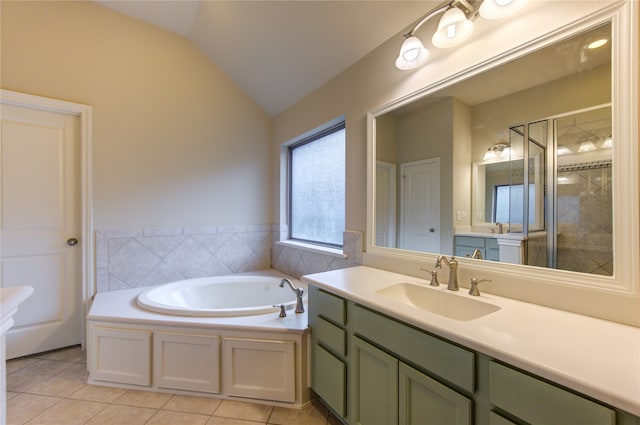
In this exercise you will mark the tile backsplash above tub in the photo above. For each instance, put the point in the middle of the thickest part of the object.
(137, 257)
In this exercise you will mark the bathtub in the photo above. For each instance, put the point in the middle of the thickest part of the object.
(222, 296)
(185, 342)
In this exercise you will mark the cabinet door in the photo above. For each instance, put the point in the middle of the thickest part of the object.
(329, 378)
(120, 355)
(424, 401)
(188, 362)
(262, 369)
(374, 385)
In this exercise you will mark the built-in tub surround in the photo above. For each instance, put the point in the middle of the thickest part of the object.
(259, 357)
(146, 256)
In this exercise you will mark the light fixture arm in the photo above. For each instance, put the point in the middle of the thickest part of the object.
(441, 9)
(428, 16)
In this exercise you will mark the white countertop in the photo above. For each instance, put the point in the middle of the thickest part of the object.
(598, 358)
(10, 298)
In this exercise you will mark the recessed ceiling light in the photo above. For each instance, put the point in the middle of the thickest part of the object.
(598, 43)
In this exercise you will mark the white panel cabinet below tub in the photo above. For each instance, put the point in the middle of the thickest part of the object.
(186, 361)
(258, 368)
(120, 355)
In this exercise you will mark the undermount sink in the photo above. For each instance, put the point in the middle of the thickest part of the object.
(438, 301)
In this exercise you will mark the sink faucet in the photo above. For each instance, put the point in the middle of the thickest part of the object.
(453, 271)
(477, 254)
(298, 292)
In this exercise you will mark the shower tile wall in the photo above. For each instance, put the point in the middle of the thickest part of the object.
(137, 257)
(585, 241)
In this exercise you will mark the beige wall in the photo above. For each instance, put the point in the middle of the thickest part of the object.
(374, 81)
(175, 141)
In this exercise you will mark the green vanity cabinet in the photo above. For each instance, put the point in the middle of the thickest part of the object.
(534, 401)
(424, 400)
(372, 369)
(488, 247)
(329, 361)
(374, 389)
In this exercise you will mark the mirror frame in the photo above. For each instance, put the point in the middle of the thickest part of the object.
(624, 282)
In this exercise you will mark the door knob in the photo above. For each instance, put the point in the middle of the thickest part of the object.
(432, 230)
(72, 242)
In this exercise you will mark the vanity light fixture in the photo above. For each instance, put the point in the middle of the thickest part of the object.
(563, 150)
(455, 26)
(453, 29)
(587, 146)
(499, 150)
(498, 9)
(607, 143)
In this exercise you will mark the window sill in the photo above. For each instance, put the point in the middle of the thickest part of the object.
(334, 252)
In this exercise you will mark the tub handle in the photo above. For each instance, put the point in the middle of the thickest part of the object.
(283, 313)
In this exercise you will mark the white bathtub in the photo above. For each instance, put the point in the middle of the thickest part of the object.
(235, 295)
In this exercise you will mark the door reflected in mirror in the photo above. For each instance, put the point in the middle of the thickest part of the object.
(513, 164)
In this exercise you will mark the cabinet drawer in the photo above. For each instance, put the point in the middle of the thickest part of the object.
(470, 241)
(329, 379)
(538, 402)
(330, 336)
(331, 307)
(450, 362)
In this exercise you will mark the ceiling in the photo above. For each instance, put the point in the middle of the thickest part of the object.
(280, 51)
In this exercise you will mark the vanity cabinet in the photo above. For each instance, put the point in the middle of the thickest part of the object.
(535, 401)
(329, 367)
(488, 247)
(370, 368)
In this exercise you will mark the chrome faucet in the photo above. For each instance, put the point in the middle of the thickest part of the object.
(453, 271)
(298, 292)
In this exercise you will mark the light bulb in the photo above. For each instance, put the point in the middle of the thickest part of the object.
(498, 9)
(412, 54)
(587, 146)
(453, 29)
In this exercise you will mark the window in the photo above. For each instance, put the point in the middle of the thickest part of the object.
(317, 187)
(508, 203)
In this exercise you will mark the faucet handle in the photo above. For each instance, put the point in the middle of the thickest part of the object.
(283, 312)
(473, 290)
(434, 276)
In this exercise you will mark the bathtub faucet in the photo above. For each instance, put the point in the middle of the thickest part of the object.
(298, 292)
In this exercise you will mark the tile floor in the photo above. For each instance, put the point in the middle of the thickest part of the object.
(51, 388)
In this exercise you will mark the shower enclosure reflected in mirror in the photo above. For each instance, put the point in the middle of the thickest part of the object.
(560, 200)
(546, 119)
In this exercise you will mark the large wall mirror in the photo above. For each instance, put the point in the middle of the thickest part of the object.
(517, 164)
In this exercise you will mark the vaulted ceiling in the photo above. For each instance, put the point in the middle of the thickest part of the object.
(279, 51)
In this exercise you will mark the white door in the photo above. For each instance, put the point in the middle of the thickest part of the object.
(385, 204)
(420, 205)
(40, 222)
